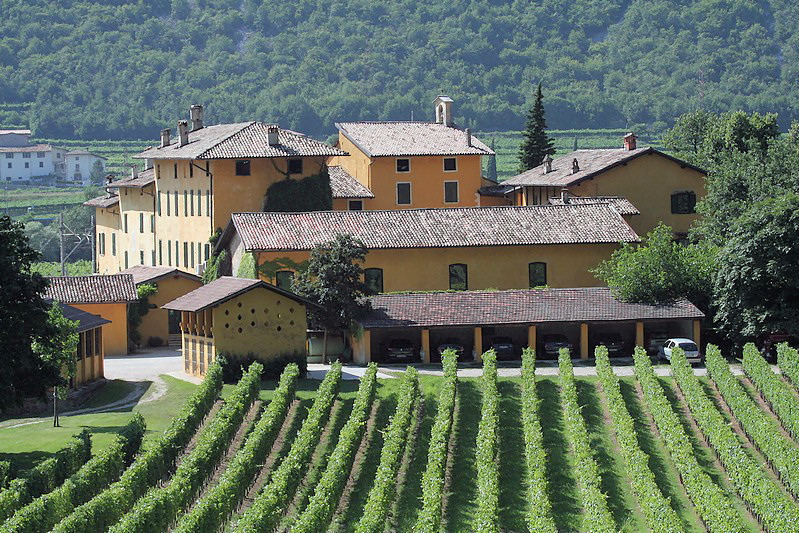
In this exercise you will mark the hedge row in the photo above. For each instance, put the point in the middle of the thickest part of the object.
(322, 505)
(487, 514)
(788, 361)
(776, 511)
(396, 435)
(762, 430)
(105, 509)
(47, 475)
(596, 515)
(539, 510)
(6, 473)
(775, 391)
(46, 511)
(213, 510)
(429, 520)
(659, 514)
(160, 507)
(265, 512)
(710, 501)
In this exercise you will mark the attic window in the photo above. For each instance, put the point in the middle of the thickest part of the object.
(295, 166)
(243, 167)
(403, 165)
(450, 164)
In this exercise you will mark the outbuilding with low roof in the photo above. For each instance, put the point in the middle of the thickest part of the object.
(89, 356)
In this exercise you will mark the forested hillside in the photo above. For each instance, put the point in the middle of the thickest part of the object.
(122, 69)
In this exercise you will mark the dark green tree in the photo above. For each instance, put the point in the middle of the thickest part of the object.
(491, 168)
(536, 144)
(661, 270)
(23, 317)
(136, 312)
(334, 280)
(757, 279)
(57, 349)
(97, 176)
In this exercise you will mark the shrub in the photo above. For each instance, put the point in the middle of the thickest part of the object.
(266, 510)
(775, 391)
(6, 473)
(539, 510)
(322, 504)
(155, 342)
(47, 475)
(160, 507)
(396, 437)
(233, 365)
(487, 515)
(429, 519)
(788, 361)
(46, 511)
(212, 511)
(150, 467)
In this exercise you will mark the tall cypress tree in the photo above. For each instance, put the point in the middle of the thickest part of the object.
(491, 171)
(536, 144)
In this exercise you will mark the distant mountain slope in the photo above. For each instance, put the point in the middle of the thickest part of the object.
(123, 68)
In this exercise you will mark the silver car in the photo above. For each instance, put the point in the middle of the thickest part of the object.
(686, 345)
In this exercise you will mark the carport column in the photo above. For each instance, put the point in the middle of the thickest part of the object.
(362, 348)
(426, 345)
(639, 334)
(531, 336)
(583, 341)
(478, 344)
(697, 333)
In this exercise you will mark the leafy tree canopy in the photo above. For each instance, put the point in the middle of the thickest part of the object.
(334, 280)
(23, 315)
(757, 280)
(661, 270)
(57, 347)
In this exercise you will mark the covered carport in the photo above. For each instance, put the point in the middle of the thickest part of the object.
(477, 318)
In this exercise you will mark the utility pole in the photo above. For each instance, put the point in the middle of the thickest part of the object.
(61, 244)
(82, 238)
(94, 245)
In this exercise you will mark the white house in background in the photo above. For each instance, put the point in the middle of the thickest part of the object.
(20, 161)
(79, 165)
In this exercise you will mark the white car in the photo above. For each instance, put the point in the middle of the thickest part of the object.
(687, 345)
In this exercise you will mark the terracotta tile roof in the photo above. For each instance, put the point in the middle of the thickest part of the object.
(622, 205)
(145, 178)
(86, 321)
(344, 185)
(528, 306)
(221, 290)
(91, 289)
(378, 139)
(32, 148)
(102, 201)
(145, 274)
(434, 228)
(238, 141)
(591, 163)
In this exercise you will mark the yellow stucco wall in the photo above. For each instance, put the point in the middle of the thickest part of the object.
(426, 176)
(194, 223)
(138, 206)
(89, 362)
(156, 322)
(115, 334)
(270, 325)
(107, 221)
(499, 267)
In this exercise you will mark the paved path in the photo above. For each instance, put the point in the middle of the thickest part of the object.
(147, 365)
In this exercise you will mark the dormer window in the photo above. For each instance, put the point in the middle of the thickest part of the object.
(450, 164)
(403, 165)
(295, 166)
(243, 167)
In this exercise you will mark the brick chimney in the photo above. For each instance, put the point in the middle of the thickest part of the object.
(196, 115)
(183, 132)
(165, 133)
(134, 172)
(575, 166)
(468, 136)
(547, 164)
(630, 141)
(271, 134)
(565, 196)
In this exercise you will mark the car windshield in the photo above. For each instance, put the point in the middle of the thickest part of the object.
(400, 343)
(555, 338)
(689, 347)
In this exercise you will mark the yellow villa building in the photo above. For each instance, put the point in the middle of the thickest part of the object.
(661, 188)
(440, 249)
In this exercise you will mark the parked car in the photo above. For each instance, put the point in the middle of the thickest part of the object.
(553, 342)
(504, 347)
(401, 350)
(612, 341)
(451, 343)
(687, 345)
(656, 341)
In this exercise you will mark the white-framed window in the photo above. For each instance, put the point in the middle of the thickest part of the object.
(450, 164)
(404, 193)
(403, 165)
(355, 205)
(451, 192)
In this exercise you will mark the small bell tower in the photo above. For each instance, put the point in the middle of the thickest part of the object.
(443, 105)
